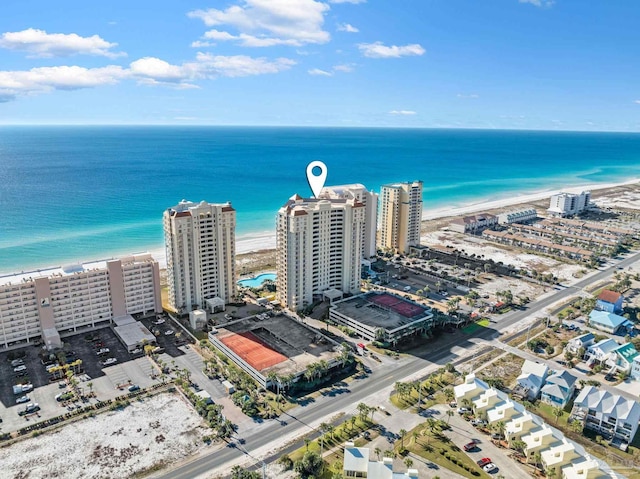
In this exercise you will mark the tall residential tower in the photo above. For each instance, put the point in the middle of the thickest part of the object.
(370, 201)
(319, 249)
(400, 216)
(200, 244)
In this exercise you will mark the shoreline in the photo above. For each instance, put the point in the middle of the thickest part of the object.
(262, 244)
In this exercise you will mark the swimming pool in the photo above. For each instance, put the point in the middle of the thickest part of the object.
(257, 281)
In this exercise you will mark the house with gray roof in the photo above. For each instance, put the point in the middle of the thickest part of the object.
(531, 379)
(357, 463)
(610, 415)
(558, 389)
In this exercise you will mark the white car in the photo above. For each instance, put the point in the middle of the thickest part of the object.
(102, 351)
(168, 332)
(109, 361)
(158, 321)
(491, 467)
(22, 399)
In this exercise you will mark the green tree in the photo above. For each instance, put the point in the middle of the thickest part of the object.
(310, 466)
(519, 447)
(377, 451)
(403, 433)
(238, 472)
(558, 412)
(408, 462)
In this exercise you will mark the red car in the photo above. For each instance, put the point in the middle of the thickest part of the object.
(469, 446)
(484, 461)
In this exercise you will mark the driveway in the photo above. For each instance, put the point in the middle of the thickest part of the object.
(463, 432)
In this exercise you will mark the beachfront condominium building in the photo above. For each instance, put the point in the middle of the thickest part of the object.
(370, 201)
(200, 243)
(319, 249)
(43, 304)
(400, 216)
(569, 204)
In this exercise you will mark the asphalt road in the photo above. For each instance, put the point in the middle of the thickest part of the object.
(272, 433)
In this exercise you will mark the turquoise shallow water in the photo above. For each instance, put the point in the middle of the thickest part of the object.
(81, 193)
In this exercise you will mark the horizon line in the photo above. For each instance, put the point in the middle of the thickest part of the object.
(341, 127)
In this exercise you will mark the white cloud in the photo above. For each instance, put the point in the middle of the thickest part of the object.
(343, 68)
(348, 1)
(244, 40)
(379, 50)
(470, 95)
(539, 3)
(147, 71)
(39, 43)
(270, 22)
(318, 72)
(239, 65)
(637, 101)
(402, 112)
(347, 27)
(46, 79)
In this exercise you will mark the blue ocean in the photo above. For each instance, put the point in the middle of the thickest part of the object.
(80, 193)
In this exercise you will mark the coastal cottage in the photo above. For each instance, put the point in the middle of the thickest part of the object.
(531, 379)
(635, 368)
(581, 342)
(518, 216)
(609, 301)
(623, 357)
(357, 464)
(558, 389)
(600, 352)
(608, 322)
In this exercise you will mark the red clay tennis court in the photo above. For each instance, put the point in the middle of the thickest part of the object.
(400, 306)
(252, 350)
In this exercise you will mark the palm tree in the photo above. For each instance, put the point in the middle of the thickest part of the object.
(449, 415)
(408, 462)
(558, 412)
(330, 429)
(537, 459)
(352, 420)
(377, 451)
(402, 432)
(499, 427)
(306, 442)
(363, 411)
(90, 386)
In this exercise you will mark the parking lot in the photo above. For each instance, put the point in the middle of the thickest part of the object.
(105, 381)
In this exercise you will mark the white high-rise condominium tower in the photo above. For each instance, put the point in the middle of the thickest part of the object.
(400, 216)
(370, 201)
(319, 249)
(200, 243)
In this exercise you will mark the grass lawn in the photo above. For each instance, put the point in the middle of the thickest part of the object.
(436, 382)
(439, 450)
(341, 434)
(473, 327)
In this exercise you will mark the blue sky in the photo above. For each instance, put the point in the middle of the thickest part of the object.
(528, 64)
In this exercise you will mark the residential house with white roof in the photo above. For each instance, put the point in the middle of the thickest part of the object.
(600, 352)
(583, 341)
(531, 379)
(558, 389)
(584, 469)
(559, 455)
(609, 301)
(608, 322)
(564, 455)
(610, 415)
(357, 464)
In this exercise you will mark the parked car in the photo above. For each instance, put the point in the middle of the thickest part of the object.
(497, 436)
(30, 408)
(17, 362)
(133, 388)
(463, 410)
(109, 361)
(22, 399)
(483, 462)
(20, 368)
(489, 468)
(102, 351)
(453, 404)
(168, 332)
(470, 446)
(478, 422)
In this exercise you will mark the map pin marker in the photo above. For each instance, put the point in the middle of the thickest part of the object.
(316, 182)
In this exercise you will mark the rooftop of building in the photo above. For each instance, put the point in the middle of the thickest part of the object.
(606, 319)
(609, 296)
(381, 310)
(280, 343)
(71, 269)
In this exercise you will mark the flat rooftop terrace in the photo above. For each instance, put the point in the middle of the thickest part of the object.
(280, 344)
(381, 310)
